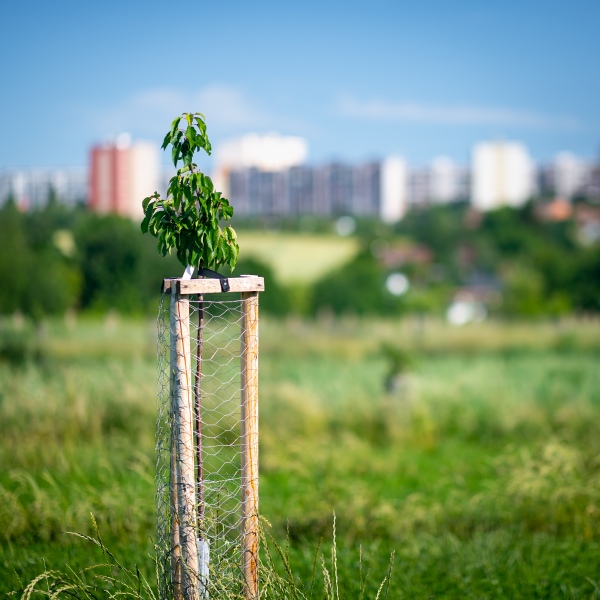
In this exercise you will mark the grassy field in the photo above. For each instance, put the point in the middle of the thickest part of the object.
(296, 257)
(482, 474)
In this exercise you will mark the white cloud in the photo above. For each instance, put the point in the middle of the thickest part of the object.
(223, 105)
(384, 110)
(228, 110)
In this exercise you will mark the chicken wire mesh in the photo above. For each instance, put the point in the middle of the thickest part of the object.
(200, 445)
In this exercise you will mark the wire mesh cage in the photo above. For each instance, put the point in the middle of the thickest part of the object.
(207, 439)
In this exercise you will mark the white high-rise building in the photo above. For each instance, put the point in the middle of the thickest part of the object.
(569, 175)
(270, 153)
(32, 188)
(394, 185)
(502, 174)
(445, 180)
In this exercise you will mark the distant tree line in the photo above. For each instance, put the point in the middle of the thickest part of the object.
(514, 261)
(538, 266)
(60, 258)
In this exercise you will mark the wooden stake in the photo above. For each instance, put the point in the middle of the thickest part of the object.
(173, 476)
(203, 547)
(175, 542)
(183, 424)
(198, 411)
(249, 413)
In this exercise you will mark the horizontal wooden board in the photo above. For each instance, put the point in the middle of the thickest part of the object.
(246, 283)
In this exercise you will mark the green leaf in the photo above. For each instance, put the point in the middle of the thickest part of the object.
(190, 134)
(187, 192)
(173, 184)
(192, 182)
(177, 195)
(146, 222)
(174, 126)
(149, 200)
(200, 122)
(230, 234)
(227, 211)
(194, 257)
(175, 154)
(208, 184)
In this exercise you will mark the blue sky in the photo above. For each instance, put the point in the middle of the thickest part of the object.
(359, 80)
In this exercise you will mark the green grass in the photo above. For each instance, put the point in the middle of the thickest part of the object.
(483, 475)
(296, 257)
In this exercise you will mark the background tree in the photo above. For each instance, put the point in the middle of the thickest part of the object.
(30, 254)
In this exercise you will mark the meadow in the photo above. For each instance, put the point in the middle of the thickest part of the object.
(481, 473)
(298, 257)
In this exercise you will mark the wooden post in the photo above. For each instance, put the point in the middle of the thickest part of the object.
(203, 543)
(249, 413)
(174, 505)
(183, 423)
(198, 411)
(173, 477)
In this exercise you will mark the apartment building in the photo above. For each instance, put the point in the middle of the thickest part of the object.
(122, 174)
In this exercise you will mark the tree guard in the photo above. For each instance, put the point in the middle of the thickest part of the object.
(207, 438)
